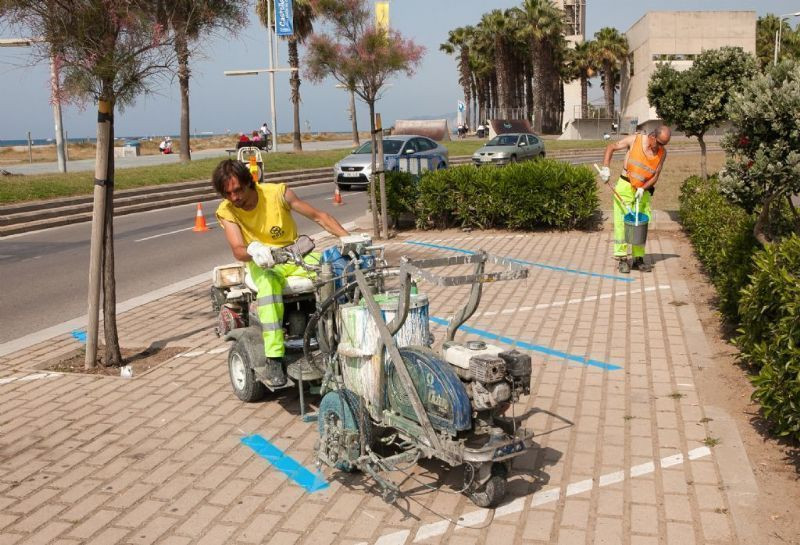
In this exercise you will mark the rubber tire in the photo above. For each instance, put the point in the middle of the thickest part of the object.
(442, 165)
(343, 186)
(513, 159)
(490, 494)
(541, 155)
(343, 403)
(240, 370)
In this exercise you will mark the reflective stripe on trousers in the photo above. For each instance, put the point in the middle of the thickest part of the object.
(270, 284)
(628, 194)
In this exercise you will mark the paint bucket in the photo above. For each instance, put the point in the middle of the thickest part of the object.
(636, 228)
(358, 344)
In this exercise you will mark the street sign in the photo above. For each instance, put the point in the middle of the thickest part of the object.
(284, 18)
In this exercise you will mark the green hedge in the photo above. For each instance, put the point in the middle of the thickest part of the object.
(722, 235)
(769, 336)
(526, 195)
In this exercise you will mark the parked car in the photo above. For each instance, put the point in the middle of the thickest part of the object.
(509, 148)
(399, 152)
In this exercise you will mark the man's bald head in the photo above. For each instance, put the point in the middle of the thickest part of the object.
(663, 134)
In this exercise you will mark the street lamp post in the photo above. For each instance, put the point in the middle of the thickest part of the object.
(778, 32)
(55, 96)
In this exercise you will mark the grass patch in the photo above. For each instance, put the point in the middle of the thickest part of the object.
(47, 186)
(711, 441)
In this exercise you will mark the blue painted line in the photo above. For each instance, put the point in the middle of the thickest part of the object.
(532, 263)
(312, 482)
(79, 335)
(530, 346)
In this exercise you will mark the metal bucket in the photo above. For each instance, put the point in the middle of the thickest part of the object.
(636, 235)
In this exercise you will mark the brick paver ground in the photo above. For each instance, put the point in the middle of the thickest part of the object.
(625, 455)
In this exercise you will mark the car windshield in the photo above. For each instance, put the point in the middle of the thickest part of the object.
(390, 147)
(503, 140)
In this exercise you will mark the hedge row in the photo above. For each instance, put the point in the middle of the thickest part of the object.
(759, 291)
(530, 195)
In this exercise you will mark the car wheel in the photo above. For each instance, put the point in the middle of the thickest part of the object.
(513, 159)
(442, 165)
(541, 155)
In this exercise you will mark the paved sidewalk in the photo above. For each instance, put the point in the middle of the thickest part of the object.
(627, 453)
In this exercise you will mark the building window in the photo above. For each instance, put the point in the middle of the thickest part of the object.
(662, 57)
(630, 65)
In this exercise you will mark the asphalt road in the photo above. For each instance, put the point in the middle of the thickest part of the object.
(45, 273)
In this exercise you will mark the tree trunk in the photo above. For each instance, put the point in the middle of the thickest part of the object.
(353, 120)
(528, 90)
(703, 158)
(376, 229)
(294, 83)
(609, 88)
(102, 147)
(113, 356)
(763, 218)
(537, 78)
(182, 52)
(584, 97)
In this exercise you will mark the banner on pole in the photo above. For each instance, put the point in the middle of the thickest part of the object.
(284, 18)
(382, 15)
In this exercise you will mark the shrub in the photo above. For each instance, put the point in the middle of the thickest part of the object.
(518, 196)
(769, 336)
(722, 235)
(402, 192)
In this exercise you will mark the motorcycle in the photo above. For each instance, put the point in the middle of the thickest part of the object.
(387, 399)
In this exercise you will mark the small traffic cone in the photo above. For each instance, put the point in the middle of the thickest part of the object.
(199, 220)
(337, 196)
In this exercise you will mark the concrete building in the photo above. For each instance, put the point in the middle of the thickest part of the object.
(575, 16)
(676, 37)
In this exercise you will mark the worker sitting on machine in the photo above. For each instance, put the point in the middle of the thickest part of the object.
(257, 218)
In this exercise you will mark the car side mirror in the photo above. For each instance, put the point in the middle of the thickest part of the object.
(409, 151)
(521, 144)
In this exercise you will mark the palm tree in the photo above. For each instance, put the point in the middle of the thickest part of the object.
(303, 27)
(610, 50)
(541, 23)
(497, 24)
(459, 40)
(581, 66)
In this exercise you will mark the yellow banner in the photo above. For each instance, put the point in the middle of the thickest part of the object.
(382, 15)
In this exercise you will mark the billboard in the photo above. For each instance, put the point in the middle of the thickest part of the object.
(284, 18)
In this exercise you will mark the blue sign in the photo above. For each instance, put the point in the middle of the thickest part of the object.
(284, 18)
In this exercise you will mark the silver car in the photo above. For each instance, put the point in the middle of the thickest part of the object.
(509, 148)
(402, 152)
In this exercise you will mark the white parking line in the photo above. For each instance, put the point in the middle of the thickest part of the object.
(572, 301)
(172, 232)
(28, 378)
(474, 518)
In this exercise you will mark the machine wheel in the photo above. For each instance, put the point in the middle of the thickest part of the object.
(341, 411)
(243, 379)
(490, 494)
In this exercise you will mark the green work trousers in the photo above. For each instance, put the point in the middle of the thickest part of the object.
(270, 284)
(628, 193)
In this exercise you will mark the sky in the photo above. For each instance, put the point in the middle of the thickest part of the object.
(238, 104)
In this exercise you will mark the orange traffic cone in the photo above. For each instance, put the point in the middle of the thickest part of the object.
(337, 196)
(199, 220)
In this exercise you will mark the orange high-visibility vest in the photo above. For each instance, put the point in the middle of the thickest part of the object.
(640, 168)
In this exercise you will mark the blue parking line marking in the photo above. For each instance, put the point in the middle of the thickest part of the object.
(79, 335)
(522, 262)
(311, 482)
(530, 346)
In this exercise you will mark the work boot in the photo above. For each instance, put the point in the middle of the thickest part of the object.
(272, 372)
(624, 266)
(639, 264)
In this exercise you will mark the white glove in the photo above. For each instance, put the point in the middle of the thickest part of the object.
(605, 173)
(261, 254)
(639, 193)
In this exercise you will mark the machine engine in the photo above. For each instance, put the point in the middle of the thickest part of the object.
(492, 376)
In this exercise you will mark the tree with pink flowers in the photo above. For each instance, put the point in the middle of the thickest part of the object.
(359, 55)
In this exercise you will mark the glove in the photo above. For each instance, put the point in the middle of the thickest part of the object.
(261, 254)
(605, 173)
(639, 193)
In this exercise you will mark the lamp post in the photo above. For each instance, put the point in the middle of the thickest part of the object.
(54, 86)
(781, 19)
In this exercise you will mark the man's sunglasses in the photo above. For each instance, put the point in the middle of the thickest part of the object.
(654, 137)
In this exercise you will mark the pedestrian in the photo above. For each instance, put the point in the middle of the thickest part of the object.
(255, 218)
(641, 168)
